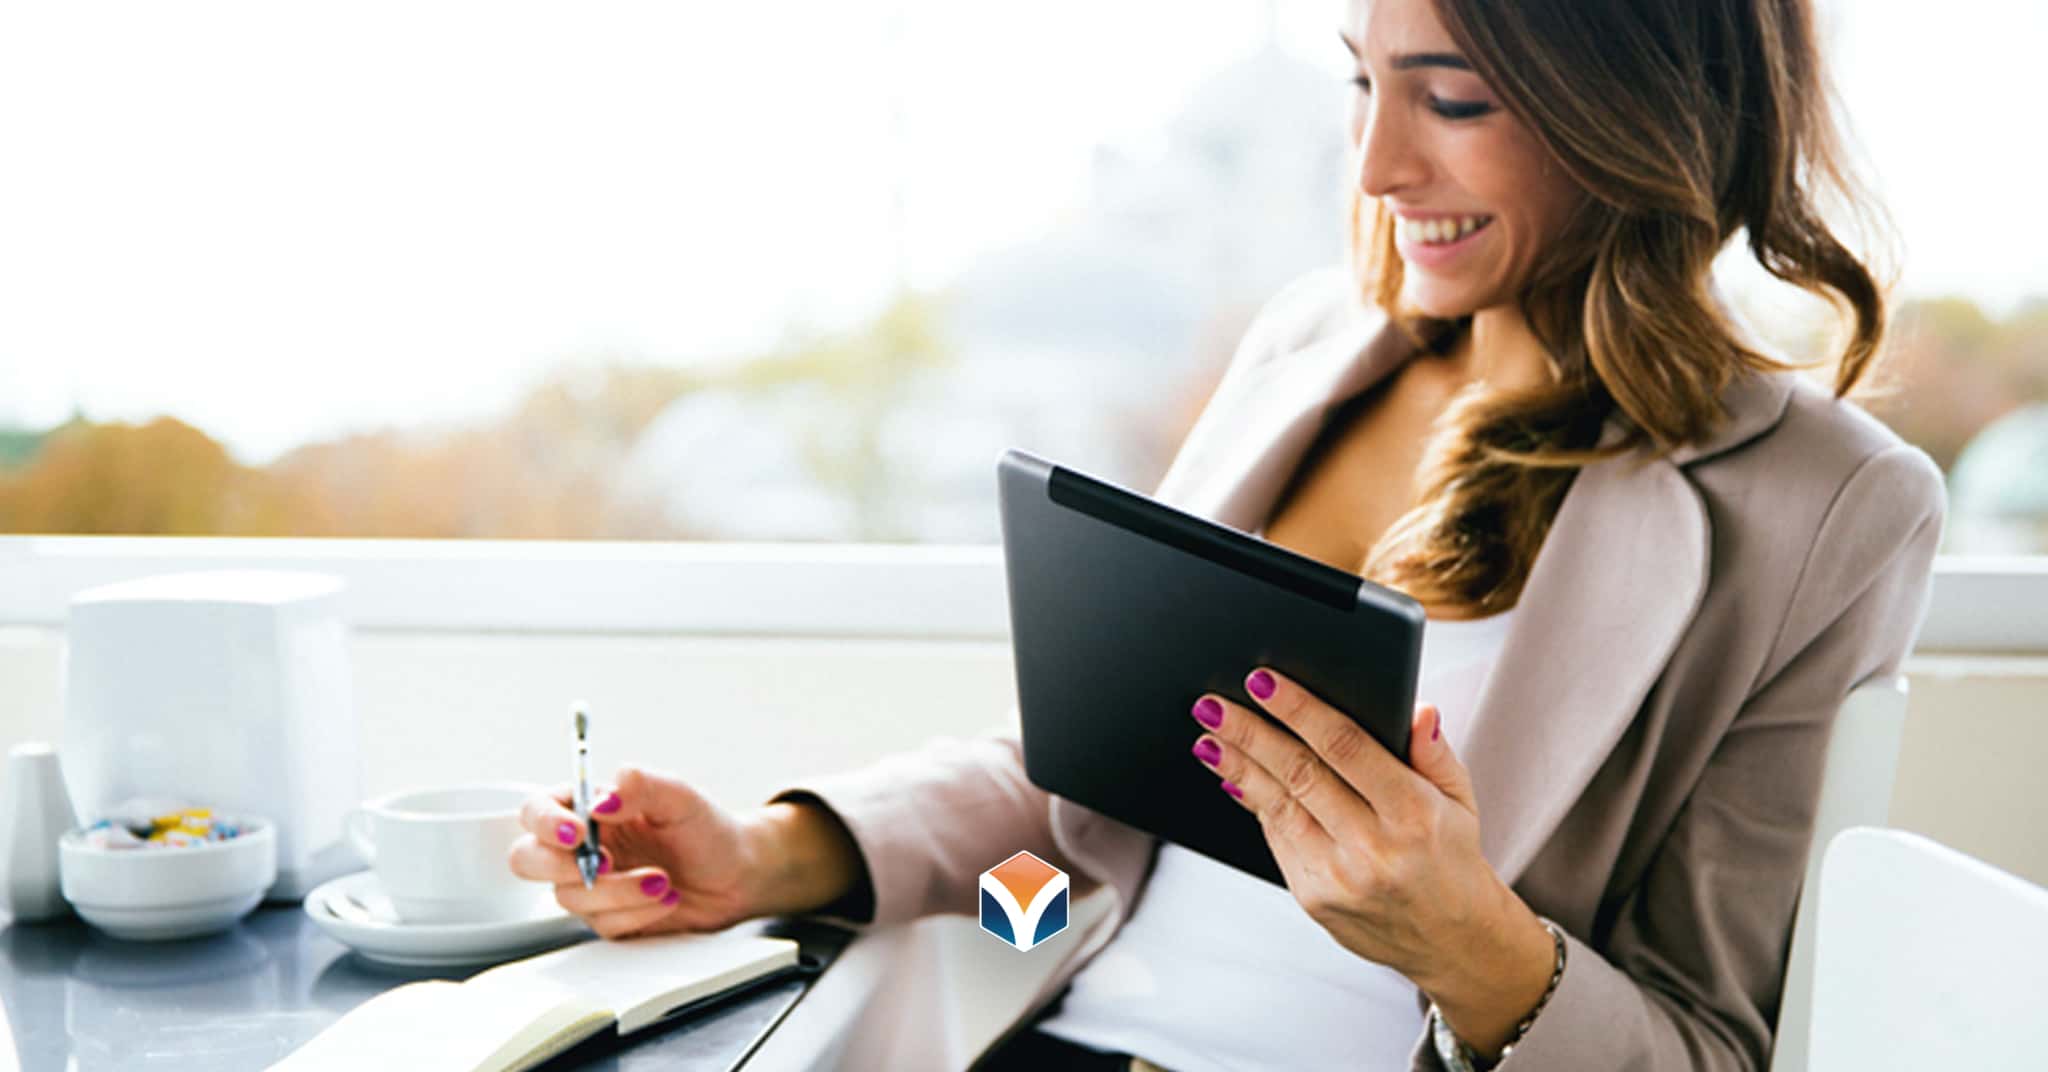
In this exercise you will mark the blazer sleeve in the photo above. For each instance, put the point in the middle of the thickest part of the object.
(929, 821)
(1691, 974)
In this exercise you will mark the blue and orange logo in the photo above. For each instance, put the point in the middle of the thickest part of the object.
(1024, 900)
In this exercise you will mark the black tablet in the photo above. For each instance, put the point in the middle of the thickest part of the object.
(1124, 610)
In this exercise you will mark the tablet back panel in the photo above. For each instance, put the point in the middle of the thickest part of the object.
(1124, 611)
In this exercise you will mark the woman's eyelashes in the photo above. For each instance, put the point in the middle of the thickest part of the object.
(1449, 109)
(1452, 109)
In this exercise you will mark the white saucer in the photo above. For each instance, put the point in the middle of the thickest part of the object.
(384, 938)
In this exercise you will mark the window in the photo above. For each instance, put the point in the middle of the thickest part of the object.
(781, 271)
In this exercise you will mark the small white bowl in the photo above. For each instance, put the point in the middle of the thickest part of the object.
(155, 894)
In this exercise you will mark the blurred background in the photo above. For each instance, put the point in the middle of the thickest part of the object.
(793, 270)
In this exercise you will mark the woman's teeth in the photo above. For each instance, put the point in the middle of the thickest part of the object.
(1439, 231)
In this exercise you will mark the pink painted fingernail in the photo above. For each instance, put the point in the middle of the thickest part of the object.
(1436, 731)
(608, 805)
(653, 885)
(604, 863)
(1261, 684)
(1207, 751)
(1233, 790)
(670, 898)
(566, 833)
(1208, 712)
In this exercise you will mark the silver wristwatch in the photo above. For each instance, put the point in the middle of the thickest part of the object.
(1458, 1057)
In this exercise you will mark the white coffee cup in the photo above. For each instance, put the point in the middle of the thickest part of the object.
(440, 854)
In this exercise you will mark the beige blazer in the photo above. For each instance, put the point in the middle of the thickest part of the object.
(1647, 752)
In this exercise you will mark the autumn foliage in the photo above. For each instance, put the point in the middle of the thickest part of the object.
(544, 470)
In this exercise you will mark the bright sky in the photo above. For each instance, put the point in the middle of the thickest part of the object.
(282, 220)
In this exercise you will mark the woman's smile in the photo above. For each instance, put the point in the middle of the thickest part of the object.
(1436, 241)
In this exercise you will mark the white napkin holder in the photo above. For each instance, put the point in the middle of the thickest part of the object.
(226, 689)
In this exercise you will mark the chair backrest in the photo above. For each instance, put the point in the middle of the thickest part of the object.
(1927, 958)
(1855, 790)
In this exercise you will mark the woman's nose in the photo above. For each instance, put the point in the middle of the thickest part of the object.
(1387, 159)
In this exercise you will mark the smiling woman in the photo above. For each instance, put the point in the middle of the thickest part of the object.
(1527, 399)
(1472, 203)
(1571, 177)
(1527, 405)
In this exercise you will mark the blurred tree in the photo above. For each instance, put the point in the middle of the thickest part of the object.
(18, 445)
(1957, 370)
(542, 471)
(164, 477)
(545, 469)
(864, 370)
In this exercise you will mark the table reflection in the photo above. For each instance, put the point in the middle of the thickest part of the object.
(240, 999)
(244, 998)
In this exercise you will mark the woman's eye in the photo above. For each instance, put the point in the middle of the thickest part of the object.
(1451, 109)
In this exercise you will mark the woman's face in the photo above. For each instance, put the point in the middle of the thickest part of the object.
(1475, 196)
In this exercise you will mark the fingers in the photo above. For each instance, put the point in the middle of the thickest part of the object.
(619, 904)
(1277, 775)
(649, 796)
(615, 905)
(550, 821)
(1347, 749)
(530, 859)
(639, 794)
(1278, 808)
(1435, 760)
(629, 921)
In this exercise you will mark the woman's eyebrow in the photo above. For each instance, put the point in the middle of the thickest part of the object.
(1408, 60)
(1431, 59)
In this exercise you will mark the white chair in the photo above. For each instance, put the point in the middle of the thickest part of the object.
(1927, 958)
(1855, 790)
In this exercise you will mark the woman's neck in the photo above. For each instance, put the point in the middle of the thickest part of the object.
(1500, 349)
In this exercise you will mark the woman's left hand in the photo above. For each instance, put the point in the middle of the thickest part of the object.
(1383, 855)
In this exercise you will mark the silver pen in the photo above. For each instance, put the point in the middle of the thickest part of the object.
(588, 859)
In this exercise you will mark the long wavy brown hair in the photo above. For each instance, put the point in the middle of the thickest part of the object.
(1685, 121)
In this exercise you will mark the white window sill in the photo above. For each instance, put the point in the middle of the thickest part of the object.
(1980, 604)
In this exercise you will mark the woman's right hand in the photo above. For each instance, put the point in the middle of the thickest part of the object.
(672, 859)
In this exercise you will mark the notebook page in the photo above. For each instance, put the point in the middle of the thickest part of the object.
(639, 979)
(443, 1025)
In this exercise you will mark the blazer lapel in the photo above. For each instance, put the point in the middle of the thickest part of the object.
(1617, 580)
(1251, 437)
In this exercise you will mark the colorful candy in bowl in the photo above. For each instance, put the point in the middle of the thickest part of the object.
(149, 871)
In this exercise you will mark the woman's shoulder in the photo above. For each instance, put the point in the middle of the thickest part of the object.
(1826, 446)
(1824, 505)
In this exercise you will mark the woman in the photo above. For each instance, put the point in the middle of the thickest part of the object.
(1527, 355)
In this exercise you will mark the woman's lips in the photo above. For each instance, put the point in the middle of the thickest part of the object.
(1410, 238)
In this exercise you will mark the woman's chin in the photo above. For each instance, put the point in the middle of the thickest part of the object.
(1439, 303)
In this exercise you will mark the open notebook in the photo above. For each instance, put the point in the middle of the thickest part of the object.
(517, 1015)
